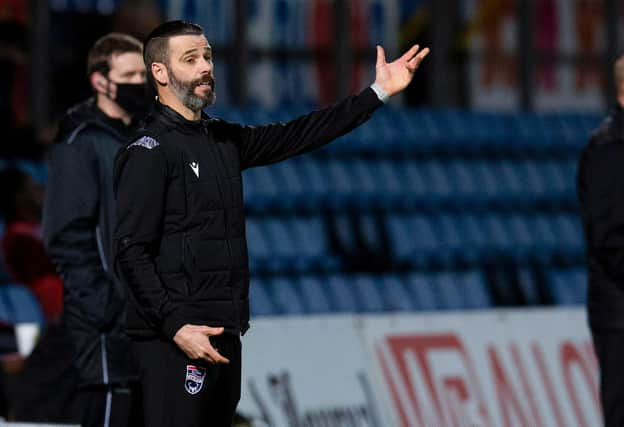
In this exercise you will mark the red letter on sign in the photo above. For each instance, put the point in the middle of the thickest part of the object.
(570, 357)
(507, 397)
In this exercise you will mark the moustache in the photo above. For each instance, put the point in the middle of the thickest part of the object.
(198, 82)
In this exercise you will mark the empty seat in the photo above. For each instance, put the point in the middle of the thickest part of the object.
(20, 304)
(368, 292)
(260, 303)
(341, 294)
(395, 294)
(476, 291)
(449, 290)
(423, 291)
(286, 296)
(568, 287)
(314, 294)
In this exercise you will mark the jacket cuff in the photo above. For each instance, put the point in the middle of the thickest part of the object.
(172, 324)
(370, 99)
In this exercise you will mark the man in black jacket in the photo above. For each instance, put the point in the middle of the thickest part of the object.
(601, 194)
(78, 228)
(180, 232)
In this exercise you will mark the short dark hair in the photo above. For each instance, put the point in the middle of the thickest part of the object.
(157, 42)
(99, 58)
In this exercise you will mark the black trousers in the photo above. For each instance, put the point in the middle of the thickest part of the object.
(181, 392)
(609, 347)
(103, 407)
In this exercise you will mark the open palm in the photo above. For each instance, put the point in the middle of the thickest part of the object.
(393, 77)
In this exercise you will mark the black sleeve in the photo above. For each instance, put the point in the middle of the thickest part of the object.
(601, 195)
(275, 142)
(140, 188)
(70, 217)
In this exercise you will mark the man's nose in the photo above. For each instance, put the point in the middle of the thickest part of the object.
(206, 66)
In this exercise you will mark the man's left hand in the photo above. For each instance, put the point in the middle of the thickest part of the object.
(393, 77)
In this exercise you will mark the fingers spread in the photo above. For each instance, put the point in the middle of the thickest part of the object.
(413, 64)
(410, 53)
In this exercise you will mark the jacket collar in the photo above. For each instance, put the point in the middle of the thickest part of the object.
(87, 113)
(176, 119)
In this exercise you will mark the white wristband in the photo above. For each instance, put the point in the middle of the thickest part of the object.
(381, 94)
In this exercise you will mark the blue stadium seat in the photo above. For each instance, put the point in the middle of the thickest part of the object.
(259, 251)
(475, 290)
(425, 294)
(314, 294)
(341, 295)
(388, 175)
(368, 292)
(260, 189)
(260, 303)
(282, 246)
(291, 186)
(312, 246)
(415, 183)
(465, 182)
(316, 181)
(286, 296)
(438, 181)
(20, 304)
(451, 246)
(396, 297)
(449, 290)
(568, 287)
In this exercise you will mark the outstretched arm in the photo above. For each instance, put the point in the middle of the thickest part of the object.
(272, 143)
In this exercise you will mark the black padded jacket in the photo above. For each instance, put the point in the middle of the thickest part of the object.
(180, 227)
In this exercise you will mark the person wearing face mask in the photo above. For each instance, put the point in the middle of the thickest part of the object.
(78, 227)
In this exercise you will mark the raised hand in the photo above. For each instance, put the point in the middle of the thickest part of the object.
(393, 77)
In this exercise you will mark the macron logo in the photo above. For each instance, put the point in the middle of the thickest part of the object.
(195, 167)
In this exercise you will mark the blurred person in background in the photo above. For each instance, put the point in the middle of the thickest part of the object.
(24, 254)
(78, 227)
(600, 187)
(179, 236)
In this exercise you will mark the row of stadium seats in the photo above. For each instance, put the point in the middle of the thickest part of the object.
(350, 293)
(313, 183)
(418, 240)
(362, 293)
(414, 241)
(389, 293)
(409, 130)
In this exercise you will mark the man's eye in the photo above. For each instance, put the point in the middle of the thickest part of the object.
(190, 60)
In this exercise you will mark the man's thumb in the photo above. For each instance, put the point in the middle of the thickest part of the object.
(212, 331)
(381, 56)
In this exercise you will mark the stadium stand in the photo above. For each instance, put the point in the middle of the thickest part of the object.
(417, 210)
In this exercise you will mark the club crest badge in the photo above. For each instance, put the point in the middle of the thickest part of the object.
(194, 379)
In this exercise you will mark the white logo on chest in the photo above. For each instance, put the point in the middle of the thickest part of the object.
(195, 167)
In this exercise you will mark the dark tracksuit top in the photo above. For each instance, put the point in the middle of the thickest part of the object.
(179, 241)
(600, 186)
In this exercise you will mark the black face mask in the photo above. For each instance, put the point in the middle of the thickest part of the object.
(133, 98)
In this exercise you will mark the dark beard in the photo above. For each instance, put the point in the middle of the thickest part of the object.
(185, 91)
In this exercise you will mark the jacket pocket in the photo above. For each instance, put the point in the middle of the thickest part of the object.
(209, 254)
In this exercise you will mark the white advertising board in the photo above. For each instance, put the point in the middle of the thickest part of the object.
(490, 368)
